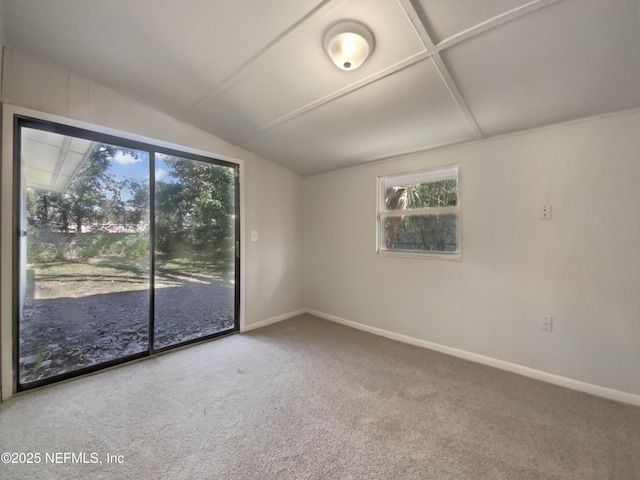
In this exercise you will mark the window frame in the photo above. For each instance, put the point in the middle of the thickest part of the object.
(382, 212)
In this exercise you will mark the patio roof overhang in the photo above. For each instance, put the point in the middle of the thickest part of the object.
(50, 160)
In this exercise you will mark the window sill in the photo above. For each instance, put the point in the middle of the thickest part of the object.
(456, 257)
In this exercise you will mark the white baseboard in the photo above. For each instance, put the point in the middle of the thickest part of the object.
(570, 383)
(269, 321)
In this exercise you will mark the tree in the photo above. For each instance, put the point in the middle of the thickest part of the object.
(426, 231)
(170, 232)
(92, 196)
(114, 207)
(86, 196)
(194, 203)
(42, 207)
(195, 209)
(137, 206)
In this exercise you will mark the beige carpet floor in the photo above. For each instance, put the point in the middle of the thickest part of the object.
(309, 399)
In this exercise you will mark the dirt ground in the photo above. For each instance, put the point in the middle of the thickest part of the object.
(64, 326)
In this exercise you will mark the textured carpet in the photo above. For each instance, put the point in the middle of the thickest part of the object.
(307, 398)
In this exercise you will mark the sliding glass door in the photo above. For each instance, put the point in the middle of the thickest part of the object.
(195, 281)
(122, 250)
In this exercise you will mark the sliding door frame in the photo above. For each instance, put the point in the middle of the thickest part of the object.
(237, 245)
(19, 118)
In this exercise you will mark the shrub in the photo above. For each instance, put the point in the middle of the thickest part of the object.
(130, 245)
(43, 252)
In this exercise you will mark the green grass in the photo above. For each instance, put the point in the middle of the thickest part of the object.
(110, 274)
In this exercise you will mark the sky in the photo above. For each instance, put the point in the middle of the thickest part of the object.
(126, 166)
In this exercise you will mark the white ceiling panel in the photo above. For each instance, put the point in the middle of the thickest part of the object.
(409, 110)
(254, 72)
(444, 18)
(569, 60)
(297, 72)
(166, 53)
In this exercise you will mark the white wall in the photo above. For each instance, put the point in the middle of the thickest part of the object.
(582, 267)
(273, 267)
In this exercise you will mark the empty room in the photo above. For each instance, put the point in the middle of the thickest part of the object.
(321, 239)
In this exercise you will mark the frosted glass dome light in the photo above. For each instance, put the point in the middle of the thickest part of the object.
(348, 44)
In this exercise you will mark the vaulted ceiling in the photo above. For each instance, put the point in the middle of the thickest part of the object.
(254, 72)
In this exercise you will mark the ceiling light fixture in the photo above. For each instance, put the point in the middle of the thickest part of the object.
(348, 43)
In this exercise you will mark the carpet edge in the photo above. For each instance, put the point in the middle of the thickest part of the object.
(572, 384)
(272, 320)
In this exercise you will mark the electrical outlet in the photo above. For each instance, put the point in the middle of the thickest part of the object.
(546, 324)
(546, 212)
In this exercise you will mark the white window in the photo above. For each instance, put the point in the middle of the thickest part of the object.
(419, 213)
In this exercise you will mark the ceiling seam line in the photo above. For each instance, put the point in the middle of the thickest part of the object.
(392, 70)
(494, 22)
(432, 51)
(418, 25)
(443, 71)
(248, 66)
(457, 96)
(412, 16)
